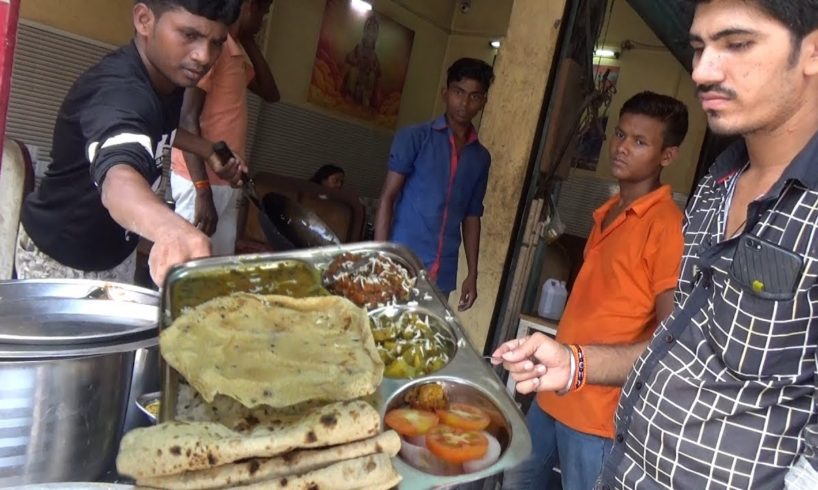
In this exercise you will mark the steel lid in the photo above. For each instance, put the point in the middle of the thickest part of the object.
(76, 289)
(71, 312)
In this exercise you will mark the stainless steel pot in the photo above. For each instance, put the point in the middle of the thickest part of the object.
(74, 355)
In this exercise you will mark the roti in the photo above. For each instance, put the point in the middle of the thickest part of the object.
(275, 350)
(191, 407)
(367, 472)
(174, 447)
(294, 463)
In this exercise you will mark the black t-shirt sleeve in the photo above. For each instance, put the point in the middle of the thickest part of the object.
(119, 131)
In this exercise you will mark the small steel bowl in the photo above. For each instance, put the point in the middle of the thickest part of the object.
(146, 404)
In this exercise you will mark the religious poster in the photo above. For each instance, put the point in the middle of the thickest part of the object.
(361, 63)
(592, 139)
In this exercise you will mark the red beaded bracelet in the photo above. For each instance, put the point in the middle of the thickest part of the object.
(582, 368)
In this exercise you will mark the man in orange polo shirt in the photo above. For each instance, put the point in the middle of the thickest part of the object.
(217, 109)
(623, 290)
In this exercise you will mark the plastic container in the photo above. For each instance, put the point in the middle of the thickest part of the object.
(552, 299)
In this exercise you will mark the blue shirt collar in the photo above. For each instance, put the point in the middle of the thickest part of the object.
(440, 124)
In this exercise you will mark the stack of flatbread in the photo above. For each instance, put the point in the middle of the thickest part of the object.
(337, 446)
(273, 400)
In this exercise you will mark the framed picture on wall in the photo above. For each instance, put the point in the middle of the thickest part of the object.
(361, 63)
(592, 138)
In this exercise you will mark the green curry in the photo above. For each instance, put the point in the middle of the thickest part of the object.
(288, 277)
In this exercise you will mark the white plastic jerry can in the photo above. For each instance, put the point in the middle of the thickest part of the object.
(552, 299)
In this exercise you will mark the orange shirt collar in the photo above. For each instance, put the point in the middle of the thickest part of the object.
(639, 207)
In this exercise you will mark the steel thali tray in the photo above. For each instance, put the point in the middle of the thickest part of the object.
(466, 378)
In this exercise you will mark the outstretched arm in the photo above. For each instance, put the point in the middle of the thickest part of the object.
(133, 204)
(539, 363)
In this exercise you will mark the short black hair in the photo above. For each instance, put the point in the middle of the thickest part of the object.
(324, 172)
(672, 112)
(800, 17)
(471, 68)
(225, 11)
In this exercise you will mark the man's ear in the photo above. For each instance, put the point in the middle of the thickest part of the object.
(143, 19)
(809, 53)
(669, 154)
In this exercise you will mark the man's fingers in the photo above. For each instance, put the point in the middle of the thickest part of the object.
(528, 386)
(241, 167)
(525, 349)
(497, 356)
(233, 171)
(465, 303)
(525, 370)
(466, 300)
(205, 224)
(157, 272)
(519, 367)
(539, 383)
(235, 166)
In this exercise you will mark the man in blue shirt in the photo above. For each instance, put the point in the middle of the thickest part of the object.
(437, 177)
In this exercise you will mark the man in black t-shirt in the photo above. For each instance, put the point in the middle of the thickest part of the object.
(112, 130)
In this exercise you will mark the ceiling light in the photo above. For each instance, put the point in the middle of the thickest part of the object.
(361, 6)
(495, 44)
(605, 53)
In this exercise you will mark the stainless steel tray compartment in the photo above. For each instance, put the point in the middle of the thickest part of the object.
(502, 427)
(439, 326)
(467, 376)
(142, 403)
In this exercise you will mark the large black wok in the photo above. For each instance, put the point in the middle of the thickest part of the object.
(282, 217)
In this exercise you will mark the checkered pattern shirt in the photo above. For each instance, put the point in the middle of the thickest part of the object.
(724, 394)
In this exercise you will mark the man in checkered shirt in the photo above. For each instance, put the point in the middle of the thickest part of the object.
(724, 395)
